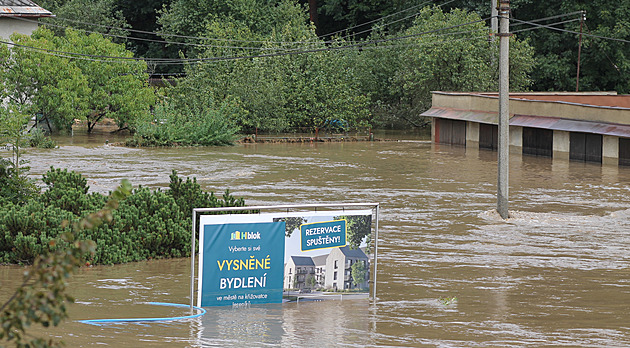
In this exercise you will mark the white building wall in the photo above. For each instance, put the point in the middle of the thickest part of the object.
(610, 149)
(516, 136)
(472, 134)
(8, 26)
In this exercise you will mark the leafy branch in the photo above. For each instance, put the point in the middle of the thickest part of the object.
(41, 298)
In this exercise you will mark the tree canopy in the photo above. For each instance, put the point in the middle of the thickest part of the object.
(60, 88)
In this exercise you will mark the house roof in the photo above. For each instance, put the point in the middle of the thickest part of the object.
(22, 8)
(302, 261)
(320, 260)
(356, 253)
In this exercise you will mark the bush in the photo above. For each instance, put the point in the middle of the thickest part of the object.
(40, 140)
(148, 224)
(27, 230)
(188, 126)
(14, 188)
(69, 191)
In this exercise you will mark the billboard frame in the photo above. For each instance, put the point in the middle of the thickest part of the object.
(198, 211)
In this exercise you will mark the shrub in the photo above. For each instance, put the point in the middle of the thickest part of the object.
(40, 140)
(147, 224)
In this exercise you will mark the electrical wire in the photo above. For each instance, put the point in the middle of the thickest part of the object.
(236, 40)
(167, 61)
(551, 24)
(548, 18)
(571, 31)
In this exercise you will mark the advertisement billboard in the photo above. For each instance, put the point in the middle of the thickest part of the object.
(248, 259)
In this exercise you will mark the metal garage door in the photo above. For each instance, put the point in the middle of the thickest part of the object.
(585, 147)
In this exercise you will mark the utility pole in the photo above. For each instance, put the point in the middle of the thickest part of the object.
(504, 109)
(577, 78)
(494, 12)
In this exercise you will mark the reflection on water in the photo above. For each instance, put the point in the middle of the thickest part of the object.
(555, 273)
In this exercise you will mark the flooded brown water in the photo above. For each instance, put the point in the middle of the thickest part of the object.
(555, 274)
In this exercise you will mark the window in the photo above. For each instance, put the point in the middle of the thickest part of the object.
(335, 276)
(336, 264)
(289, 270)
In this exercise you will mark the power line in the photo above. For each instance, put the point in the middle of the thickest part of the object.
(550, 24)
(548, 18)
(382, 18)
(571, 31)
(223, 39)
(166, 61)
(179, 61)
(147, 40)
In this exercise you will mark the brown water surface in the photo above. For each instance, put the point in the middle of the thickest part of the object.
(555, 274)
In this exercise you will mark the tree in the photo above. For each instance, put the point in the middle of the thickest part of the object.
(35, 82)
(359, 272)
(15, 186)
(84, 14)
(604, 63)
(291, 223)
(61, 89)
(443, 51)
(41, 299)
(311, 282)
(359, 228)
(117, 90)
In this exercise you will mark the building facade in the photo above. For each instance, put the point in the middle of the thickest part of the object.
(19, 16)
(330, 271)
(591, 126)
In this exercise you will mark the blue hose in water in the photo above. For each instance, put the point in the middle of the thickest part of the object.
(130, 320)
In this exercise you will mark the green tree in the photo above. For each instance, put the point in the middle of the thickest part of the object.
(359, 273)
(41, 298)
(84, 14)
(117, 90)
(36, 82)
(359, 229)
(311, 282)
(283, 91)
(604, 63)
(61, 89)
(15, 186)
(291, 223)
(445, 51)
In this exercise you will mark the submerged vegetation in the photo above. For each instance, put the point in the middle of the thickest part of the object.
(147, 224)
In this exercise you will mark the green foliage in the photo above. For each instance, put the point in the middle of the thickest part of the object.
(189, 195)
(69, 191)
(359, 273)
(15, 186)
(189, 124)
(41, 298)
(436, 59)
(35, 82)
(39, 139)
(147, 224)
(359, 228)
(88, 12)
(61, 89)
(311, 282)
(291, 223)
(283, 92)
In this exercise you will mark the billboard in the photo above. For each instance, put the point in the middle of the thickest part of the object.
(247, 259)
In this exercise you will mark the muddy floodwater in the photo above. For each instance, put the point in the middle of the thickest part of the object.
(451, 273)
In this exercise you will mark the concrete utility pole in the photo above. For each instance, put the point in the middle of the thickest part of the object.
(494, 12)
(504, 109)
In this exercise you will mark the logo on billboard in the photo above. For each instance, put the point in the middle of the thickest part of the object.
(238, 235)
